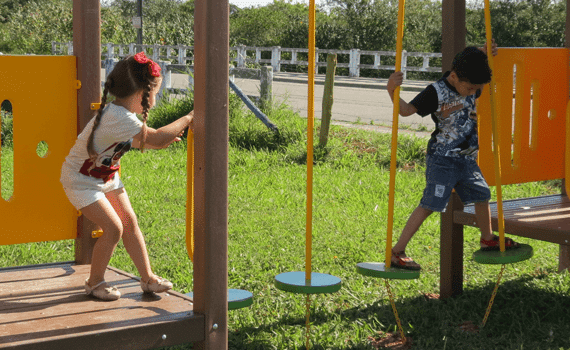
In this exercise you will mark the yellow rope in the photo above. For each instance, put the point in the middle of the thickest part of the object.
(492, 297)
(395, 312)
(394, 145)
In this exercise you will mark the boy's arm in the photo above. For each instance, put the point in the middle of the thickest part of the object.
(395, 80)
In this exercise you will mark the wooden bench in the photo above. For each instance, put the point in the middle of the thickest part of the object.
(532, 89)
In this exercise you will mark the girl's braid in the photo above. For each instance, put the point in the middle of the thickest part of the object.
(146, 106)
(90, 144)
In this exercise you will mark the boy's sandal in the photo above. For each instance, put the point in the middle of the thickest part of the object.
(399, 259)
(102, 291)
(160, 286)
(494, 244)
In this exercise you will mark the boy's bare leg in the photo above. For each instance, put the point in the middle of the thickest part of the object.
(483, 214)
(412, 226)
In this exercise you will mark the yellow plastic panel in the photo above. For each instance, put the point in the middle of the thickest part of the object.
(42, 90)
(531, 110)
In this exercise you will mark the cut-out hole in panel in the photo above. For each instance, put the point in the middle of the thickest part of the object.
(552, 114)
(42, 149)
(513, 115)
(6, 151)
(533, 120)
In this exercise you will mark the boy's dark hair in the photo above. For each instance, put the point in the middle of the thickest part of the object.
(471, 65)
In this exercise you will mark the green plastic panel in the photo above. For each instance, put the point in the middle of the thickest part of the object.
(295, 282)
(511, 256)
(374, 269)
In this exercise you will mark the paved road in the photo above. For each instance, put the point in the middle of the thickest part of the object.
(361, 101)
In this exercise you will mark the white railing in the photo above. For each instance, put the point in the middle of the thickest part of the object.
(242, 55)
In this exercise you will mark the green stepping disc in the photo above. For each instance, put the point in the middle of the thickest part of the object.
(295, 282)
(511, 256)
(374, 269)
(237, 298)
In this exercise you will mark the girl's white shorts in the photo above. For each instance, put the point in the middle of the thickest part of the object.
(85, 190)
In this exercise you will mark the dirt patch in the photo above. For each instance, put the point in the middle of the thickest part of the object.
(390, 341)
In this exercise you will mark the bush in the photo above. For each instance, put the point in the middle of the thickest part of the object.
(170, 108)
(7, 133)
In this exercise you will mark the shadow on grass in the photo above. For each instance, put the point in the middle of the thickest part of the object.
(522, 317)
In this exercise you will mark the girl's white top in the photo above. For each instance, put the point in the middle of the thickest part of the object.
(112, 139)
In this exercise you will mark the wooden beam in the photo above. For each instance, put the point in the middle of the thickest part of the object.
(211, 45)
(453, 31)
(451, 250)
(87, 49)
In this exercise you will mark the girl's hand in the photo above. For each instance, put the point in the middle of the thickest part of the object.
(190, 117)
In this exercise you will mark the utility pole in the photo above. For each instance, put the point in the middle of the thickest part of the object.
(139, 25)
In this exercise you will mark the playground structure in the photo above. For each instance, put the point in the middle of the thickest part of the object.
(532, 104)
(45, 306)
(535, 128)
(52, 311)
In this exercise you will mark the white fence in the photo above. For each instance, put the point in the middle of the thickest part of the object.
(276, 57)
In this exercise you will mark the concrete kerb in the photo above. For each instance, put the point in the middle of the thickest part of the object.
(367, 83)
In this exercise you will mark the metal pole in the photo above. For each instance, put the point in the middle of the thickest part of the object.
(140, 30)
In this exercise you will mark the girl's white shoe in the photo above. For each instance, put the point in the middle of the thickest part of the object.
(160, 286)
(102, 291)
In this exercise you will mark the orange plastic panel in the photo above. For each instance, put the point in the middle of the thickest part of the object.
(531, 112)
(42, 90)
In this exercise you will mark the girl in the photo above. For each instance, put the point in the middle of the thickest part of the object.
(90, 172)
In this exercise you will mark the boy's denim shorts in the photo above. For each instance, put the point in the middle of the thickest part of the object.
(443, 174)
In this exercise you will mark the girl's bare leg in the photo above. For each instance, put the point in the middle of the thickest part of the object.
(103, 214)
(132, 235)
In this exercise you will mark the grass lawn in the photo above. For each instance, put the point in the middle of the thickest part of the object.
(267, 177)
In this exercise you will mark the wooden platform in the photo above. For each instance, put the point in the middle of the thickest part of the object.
(45, 307)
(542, 218)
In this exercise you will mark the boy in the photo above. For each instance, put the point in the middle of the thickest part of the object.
(452, 150)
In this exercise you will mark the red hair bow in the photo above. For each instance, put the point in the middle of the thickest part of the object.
(153, 67)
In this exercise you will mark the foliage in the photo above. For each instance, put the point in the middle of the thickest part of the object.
(33, 26)
(165, 22)
(170, 108)
(30, 26)
(530, 23)
(7, 127)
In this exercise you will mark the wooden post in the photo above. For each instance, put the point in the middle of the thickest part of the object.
(266, 86)
(87, 49)
(451, 251)
(453, 31)
(211, 28)
(564, 250)
(327, 100)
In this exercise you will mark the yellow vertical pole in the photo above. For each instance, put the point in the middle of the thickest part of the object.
(190, 195)
(395, 115)
(310, 122)
(496, 129)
